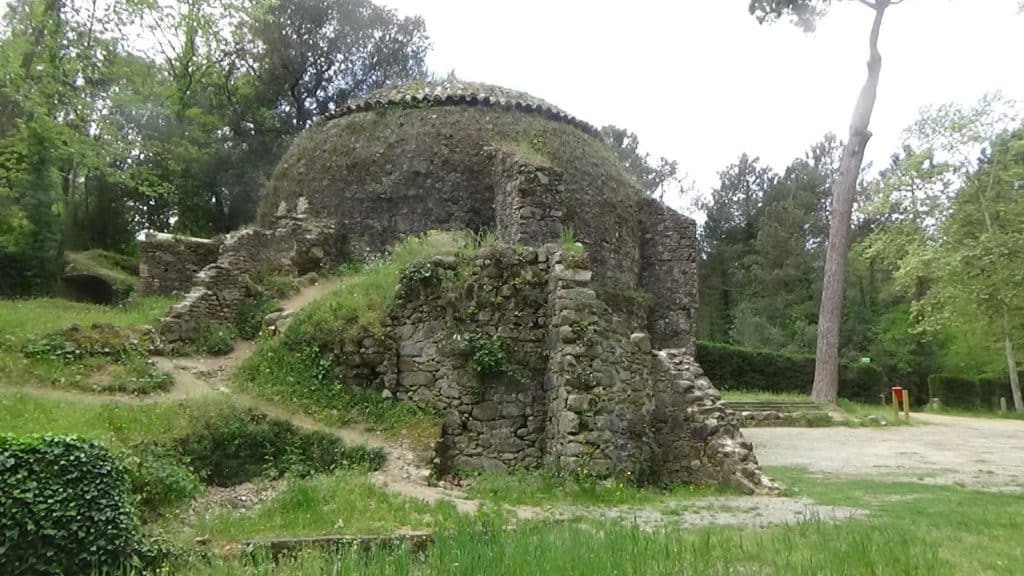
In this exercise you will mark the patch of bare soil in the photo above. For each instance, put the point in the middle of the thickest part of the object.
(984, 453)
(242, 497)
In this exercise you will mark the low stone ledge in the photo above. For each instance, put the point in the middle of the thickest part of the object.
(416, 541)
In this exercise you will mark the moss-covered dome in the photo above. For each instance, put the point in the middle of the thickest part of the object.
(423, 157)
(478, 157)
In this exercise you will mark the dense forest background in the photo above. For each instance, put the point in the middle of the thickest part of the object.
(127, 115)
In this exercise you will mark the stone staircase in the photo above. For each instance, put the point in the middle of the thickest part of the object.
(768, 413)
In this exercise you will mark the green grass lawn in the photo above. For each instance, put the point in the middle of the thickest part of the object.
(345, 502)
(542, 488)
(115, 424)
(24, 321)
(757, 396)
(912, 529)
(20, 320)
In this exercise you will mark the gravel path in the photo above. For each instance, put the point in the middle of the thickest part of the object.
(985, 453)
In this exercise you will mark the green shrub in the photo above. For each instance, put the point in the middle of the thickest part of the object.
(159, 480)
(954, 391)
(992, 387)
(239, 446)
(861, 382)
(64, 507)
(250, 315)
(274, 280)
(734, 368)
(136, 376)
(215, 338)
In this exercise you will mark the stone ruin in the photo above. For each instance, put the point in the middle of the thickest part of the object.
(597, 372)
(214, 275)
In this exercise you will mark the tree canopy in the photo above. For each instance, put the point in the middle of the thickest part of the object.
(104, 133)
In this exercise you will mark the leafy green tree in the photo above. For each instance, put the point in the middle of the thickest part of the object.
(726, 237)
(954, 231)
(979, 265)
(35, 70)
(781, 282)
(316, 55)
(805, 13)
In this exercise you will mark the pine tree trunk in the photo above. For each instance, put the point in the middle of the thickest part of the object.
(826, 366)
(1011, 364)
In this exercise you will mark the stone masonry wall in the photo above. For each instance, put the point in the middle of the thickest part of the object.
(169, 263)
(577, 390)
(494, 420)
(668, 271)
(596, 388)
(698, 441)
(219, 289)
(527, 201)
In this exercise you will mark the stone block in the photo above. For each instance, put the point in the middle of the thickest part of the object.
(486, 411)
(642, 342)
(415, 379)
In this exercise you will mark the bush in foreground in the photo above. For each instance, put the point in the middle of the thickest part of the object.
(241, 446)
(65, 507)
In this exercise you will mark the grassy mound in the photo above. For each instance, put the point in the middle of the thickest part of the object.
(170, 449)
(121, 271)
(39, 346)
(301, 366)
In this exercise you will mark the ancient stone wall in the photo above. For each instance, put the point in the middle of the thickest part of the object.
(492, 420)
(698, 441)
(218, 291)
(597, 386)
(169, 263)
(668, 272)
(576, 390)
(528, 201)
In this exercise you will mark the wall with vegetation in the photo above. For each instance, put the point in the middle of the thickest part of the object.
(528, 366)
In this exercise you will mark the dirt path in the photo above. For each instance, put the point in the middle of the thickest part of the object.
(404, 472)
(983, 453)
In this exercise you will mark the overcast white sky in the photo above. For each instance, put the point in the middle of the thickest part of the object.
(701, 82)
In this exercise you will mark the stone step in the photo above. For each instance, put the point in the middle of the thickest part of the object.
(773, 406)
(416, 542)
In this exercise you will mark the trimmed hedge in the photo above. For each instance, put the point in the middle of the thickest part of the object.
(954, 391)
(735, 368)
(65, 508)
(983, 392)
